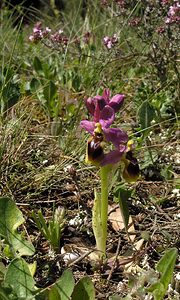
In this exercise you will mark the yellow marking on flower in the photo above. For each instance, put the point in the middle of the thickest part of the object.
(130, 145)
(98, 128)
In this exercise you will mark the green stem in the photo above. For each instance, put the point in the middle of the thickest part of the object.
(104, 205)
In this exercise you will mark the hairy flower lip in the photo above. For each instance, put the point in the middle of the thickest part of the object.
(114, 135)
(114, 156)
(131, 170)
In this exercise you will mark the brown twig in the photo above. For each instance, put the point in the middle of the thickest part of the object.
(115, 259)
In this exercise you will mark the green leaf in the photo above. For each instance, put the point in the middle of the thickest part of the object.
(32, 268)
(157, 289)
(96, 218)
(63, 287)
(50, 91)
(4, 294)
(19, 278)
(10, 219)
(34, 85)
(84, 289)
(10, 95)
(165, 267)
(54, 294)
(122, 194)
(146, 114)
(38, 66)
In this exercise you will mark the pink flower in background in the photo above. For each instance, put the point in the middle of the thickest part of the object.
(87, 37)
(39, 33)
(134, 22)
(58, 37)
(121, 3)
(164, 2)
(110, 42)
(173, 14)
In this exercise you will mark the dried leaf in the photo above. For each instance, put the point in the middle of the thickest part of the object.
(117, 221)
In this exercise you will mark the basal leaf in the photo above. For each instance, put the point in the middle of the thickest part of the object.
(63, 287)
(53, 294)
(18, 276)
(4, 294)
(96, 218)
(123, 194)
(2, 271)
(10, 219)
(84, 289)
(157, 290)
(38, 66)
(34, 85)
(166, 266)
(49, 91)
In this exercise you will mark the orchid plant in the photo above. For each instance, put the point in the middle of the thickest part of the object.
(103, 110)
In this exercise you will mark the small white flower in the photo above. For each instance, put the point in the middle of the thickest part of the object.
(176, 192)
(69, 256)
(106, 39)
(47, 29)
(31, 38)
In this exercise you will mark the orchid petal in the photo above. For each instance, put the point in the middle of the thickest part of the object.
(117, 101)
(116, 136)
(107, 116)
(112, 157)
(90, 105)
(101, 101)
(106, 95)
(88, 126)
(99, 104)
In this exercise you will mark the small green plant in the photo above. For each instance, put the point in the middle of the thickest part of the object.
(43, 86)
(18, 283)
(165, 267)
(151, 282)
(16, 279)
(53, 229)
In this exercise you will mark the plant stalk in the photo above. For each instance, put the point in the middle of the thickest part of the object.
(104, 206)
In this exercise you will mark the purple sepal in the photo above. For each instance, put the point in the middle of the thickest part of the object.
(88, 126)
(115, 136)
(116, 102)
(113, 157)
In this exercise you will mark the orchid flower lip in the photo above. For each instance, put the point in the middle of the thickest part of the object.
(131, 170)
(95, 150)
